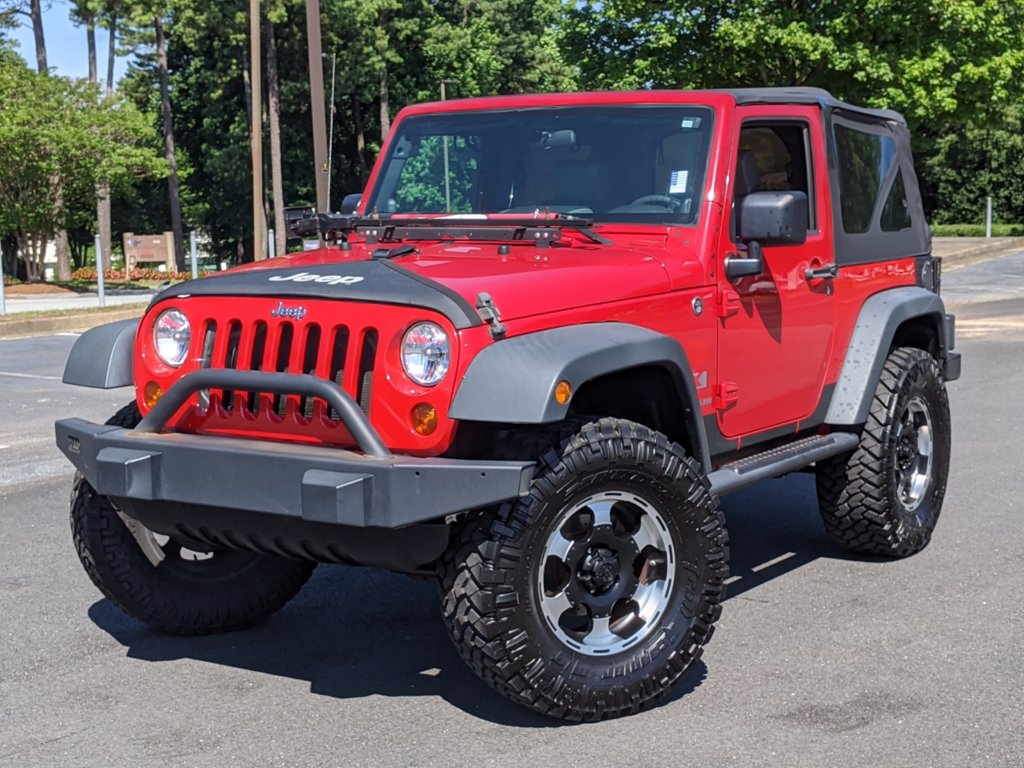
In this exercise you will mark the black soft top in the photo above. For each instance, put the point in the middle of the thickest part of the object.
(803, 95)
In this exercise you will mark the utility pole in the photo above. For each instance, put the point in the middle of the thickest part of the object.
(259, 238)
(316, 97)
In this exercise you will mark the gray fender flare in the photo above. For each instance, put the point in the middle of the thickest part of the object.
(103, 357)
(513, 380)
(879, 319)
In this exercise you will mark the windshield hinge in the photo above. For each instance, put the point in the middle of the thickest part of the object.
(490, 314)
(393, 253)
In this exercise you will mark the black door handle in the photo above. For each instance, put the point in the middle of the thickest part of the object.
(826, 272)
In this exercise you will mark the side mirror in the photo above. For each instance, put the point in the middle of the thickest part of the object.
(349, 203)
(773, 218)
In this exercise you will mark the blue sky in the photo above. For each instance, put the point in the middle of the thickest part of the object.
(66, 50)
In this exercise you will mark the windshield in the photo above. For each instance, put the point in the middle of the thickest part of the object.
(641, 164)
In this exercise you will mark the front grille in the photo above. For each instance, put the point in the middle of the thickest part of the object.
(341, 353)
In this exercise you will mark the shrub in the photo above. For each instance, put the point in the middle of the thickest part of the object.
(88, 275)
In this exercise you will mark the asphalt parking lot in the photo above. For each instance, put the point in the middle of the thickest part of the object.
(820, 659)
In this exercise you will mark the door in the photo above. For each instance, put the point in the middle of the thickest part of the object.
(775, 329)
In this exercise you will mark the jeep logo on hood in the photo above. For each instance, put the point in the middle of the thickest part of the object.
(309, 277)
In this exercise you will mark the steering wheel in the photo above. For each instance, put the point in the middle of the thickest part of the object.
(665, 201)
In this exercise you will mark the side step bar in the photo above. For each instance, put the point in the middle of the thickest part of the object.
(779, 461)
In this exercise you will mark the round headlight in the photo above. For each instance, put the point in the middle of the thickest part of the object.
(172, 335)
(426, 353)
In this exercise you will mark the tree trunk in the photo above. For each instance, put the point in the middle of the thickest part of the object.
(36, 13)
(172, 165)
(90, 38)
(10, 255)
(102, 188)
(111, 54)
(61, 238)
(385, 110)
(32, 252)
(274, 104)
(357, 118)
(103, 209)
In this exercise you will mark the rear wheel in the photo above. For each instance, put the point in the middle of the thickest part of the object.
(168, 583)
(590, 597)
(885, 498)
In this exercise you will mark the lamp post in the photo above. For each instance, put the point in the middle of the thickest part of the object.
(447, 182)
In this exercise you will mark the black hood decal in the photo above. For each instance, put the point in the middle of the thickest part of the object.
(377, 282)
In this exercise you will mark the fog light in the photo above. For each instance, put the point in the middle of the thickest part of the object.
(424, 419)
(151, 394)
(563, 391)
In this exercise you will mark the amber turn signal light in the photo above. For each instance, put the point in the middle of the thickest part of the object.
(424, 419)
(563, 391)
(152, 394)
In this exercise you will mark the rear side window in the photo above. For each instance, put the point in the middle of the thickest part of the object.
(896, 213)
(865, 160)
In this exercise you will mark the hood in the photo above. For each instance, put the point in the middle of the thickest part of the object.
(522, 279)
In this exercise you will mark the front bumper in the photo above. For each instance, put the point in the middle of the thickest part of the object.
(281, 480)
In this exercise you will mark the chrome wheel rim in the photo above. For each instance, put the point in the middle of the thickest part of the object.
(606, 574)
(914, 449)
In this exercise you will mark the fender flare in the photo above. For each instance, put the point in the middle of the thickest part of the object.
(103, 357)
(513, 380)
(872, 338)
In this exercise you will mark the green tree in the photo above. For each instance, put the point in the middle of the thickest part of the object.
(972, 162)
(84, 138)
(953, 60)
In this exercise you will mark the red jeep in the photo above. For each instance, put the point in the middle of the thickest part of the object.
(552, 334)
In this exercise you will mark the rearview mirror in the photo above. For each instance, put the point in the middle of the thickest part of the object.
(774, 218)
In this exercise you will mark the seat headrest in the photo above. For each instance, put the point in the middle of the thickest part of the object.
(748, 178)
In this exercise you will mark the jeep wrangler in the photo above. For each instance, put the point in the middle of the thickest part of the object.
(528, 363)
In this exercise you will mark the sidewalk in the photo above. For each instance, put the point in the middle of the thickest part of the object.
(79, 312)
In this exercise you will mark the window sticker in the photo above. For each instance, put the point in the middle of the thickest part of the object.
(677, 182)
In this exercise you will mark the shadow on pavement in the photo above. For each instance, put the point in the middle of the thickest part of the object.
(355, 632)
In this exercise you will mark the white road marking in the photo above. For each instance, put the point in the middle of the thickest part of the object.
(68, 333)
(773, 561)
(29, 376)
(732, 580)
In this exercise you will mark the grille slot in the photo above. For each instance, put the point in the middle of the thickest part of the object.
(366, 359)
(309, 364)
(284, 351)
(259, 349)
(339, 349)
(231, 357)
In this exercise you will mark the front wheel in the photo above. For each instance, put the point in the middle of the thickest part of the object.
(885, 497)
(590, 597)
(164, 582)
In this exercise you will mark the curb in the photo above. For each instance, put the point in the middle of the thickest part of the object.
(944, 247)
(12, 326)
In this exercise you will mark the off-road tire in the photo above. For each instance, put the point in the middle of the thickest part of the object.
(231, 590)
(492, 601)
(859, 493)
